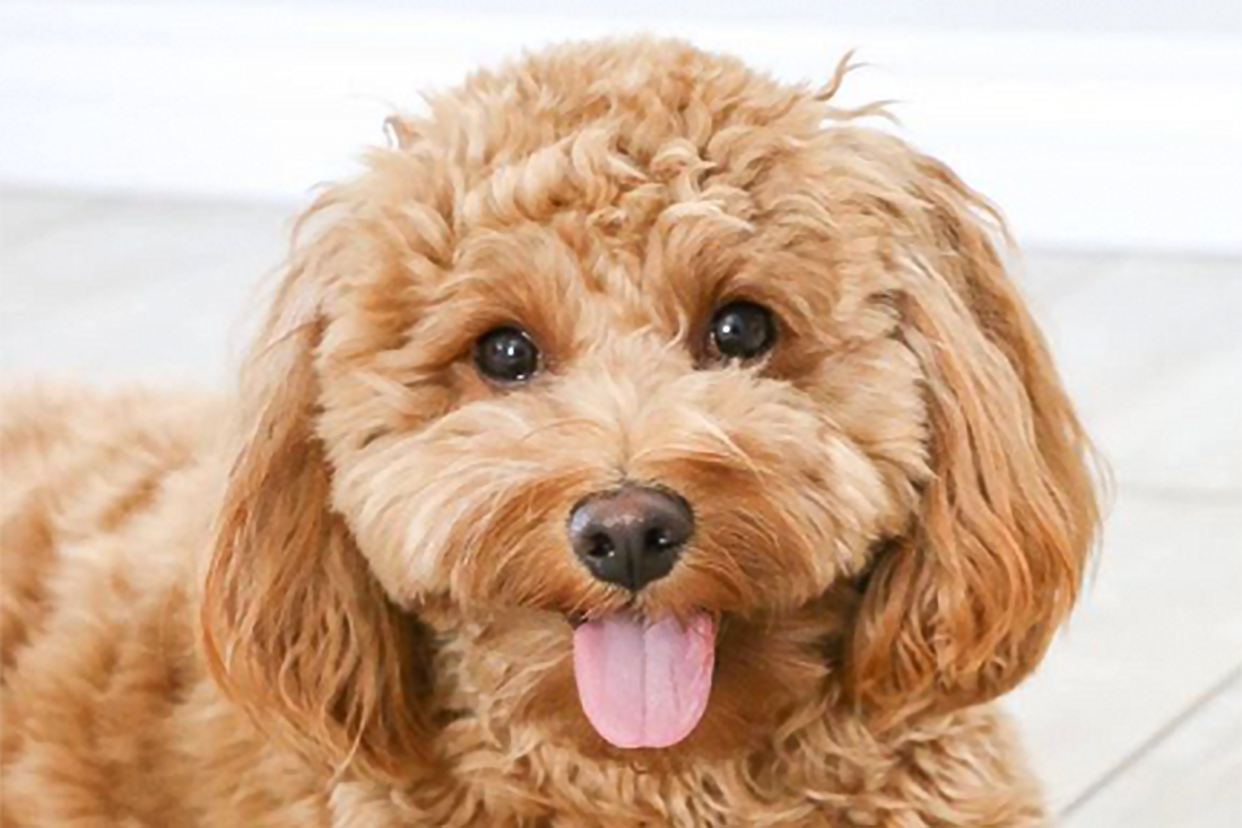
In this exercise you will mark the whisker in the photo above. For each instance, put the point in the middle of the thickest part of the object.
(735, 450)
(555, 424)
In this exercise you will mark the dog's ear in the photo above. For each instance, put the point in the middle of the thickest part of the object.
(965, 604)
(295, 627)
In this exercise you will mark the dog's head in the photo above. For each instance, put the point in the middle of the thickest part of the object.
(662, 395)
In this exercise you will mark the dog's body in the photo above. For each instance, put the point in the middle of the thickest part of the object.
(346, 598)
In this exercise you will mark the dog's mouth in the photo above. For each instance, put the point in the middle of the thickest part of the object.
(644, 684)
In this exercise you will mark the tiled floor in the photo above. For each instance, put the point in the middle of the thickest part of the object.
(1135, 720)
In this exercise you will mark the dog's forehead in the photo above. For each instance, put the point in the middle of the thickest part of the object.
(615, 149)
(585, 232)
(632, 180)
(640, 98)
(588, 215)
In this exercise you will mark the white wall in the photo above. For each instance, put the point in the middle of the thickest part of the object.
(1089, 126)
(1075, 16)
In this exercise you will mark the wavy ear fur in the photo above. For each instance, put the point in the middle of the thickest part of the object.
(295, 627)
(965, 605)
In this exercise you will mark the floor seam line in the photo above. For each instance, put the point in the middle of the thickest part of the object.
(1162, 735)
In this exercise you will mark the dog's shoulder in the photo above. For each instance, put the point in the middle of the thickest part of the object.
(79, 461)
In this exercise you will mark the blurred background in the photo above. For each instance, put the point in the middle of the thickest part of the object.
(152, 155)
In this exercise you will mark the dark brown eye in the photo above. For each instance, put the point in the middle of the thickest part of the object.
(506, 355)
(742, 330)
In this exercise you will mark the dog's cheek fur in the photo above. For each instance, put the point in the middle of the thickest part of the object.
(472, 506)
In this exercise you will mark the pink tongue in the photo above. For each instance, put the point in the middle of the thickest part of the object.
(644, 685)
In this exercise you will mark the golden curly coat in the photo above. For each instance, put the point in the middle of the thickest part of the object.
(345, 597)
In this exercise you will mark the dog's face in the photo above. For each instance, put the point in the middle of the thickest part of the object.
(658, 403)
(683, 419)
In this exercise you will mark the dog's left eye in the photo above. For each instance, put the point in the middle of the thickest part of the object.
(742, 330)
(506, 355)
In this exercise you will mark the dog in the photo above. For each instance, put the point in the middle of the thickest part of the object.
(636, 441)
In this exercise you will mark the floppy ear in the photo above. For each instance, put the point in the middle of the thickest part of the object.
(295, 627)
(965, 604)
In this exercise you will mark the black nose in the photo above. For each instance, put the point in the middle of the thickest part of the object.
(631, 536)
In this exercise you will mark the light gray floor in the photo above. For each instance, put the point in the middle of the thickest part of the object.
(1135, 720)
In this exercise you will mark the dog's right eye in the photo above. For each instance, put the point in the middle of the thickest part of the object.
(506, 355)
(742, 330)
